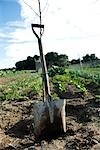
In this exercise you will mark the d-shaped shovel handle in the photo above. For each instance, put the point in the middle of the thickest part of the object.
(40, 26)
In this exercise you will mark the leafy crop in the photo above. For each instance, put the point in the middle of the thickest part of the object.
(59, 82)
(86, 74)
(19, 86)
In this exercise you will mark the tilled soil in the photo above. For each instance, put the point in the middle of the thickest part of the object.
(82, 120)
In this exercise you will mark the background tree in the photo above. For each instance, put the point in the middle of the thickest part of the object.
(51, 59)
(93, 57)
(89, 58)
(75, 61)
(28, 64)
(36, 57)
(63, 60)
(86, 58)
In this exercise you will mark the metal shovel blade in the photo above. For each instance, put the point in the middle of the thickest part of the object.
(42, 117)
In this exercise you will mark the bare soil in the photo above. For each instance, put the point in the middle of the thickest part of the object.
(82, 120)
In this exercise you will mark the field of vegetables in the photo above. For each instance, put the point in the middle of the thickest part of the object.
(17, 85)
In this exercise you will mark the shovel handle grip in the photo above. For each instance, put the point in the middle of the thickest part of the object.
(37, 26)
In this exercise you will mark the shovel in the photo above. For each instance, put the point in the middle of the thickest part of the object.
(49, 115)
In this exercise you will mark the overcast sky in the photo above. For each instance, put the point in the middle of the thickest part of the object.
(72, 27)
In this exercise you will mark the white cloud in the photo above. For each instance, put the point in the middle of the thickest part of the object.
(16, 44)
(7, 63)
(74, 27)
(28, 7)
(71, 27)
(21, 51)
(2, 34)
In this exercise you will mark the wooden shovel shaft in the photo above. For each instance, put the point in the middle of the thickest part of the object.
(44, 70)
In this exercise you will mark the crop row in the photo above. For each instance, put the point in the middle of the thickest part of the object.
(94, 76)
(20, 87)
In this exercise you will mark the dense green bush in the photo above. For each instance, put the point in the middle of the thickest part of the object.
(56, 70)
